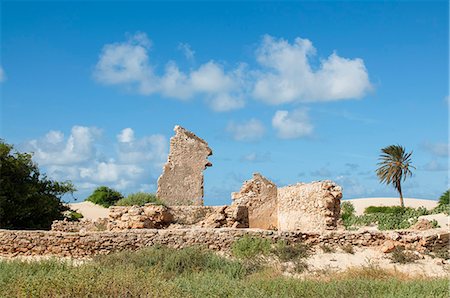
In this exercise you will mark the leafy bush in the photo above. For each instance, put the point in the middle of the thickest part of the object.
(385, 209)
(444, 199)
(443, 204)
(28, 199)
(386, 218)
(249, 247)
(286, 252)
(347, 214)
(402, 256)
(74, 216)
(139, 199)
(105, 196)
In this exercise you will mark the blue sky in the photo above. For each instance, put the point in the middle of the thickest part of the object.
(298, 91)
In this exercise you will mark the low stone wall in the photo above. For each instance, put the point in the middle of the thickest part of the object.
(79, 245)
(153, 216)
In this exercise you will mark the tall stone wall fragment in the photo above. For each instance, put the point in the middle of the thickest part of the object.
(181, 182)
(259, 195)
(309, 206)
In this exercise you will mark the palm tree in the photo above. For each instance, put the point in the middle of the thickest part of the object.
(395, 166)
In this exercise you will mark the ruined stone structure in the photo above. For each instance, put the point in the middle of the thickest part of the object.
(181, 182)
(86, 244)
(309, 206)
(259, 195)
(153, 216)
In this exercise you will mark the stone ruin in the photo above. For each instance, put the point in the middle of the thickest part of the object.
(181, 182)
(259, 203)
(304, 206)
(259, 195)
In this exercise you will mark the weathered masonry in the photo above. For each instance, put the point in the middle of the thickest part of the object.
(181, 182)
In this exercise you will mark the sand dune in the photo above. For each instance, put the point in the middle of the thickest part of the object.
(363, 203)
(90, 210)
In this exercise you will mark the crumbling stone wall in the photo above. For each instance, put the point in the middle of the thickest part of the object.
(87, 244)
(153, 216)
(309, 206)
(181, 182)
(259, 195)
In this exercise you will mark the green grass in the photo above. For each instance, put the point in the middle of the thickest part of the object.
(250, 247)
(193, 272)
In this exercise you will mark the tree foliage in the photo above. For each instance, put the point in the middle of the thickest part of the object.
(394, 167)
(105, 196)
(28, 199)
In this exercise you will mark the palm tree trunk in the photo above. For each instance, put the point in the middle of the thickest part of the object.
(401, 197)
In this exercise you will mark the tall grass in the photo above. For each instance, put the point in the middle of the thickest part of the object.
(193, 272)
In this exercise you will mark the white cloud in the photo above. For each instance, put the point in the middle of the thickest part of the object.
(151, 148)
(79, 158)
(128, 63)
(251, 130)
(283, 74)
(2, 75)
(187, 51)
(437, 149)
(291, 125)
(288, 75)
(110, 171)
(126, 135)
(54, 150)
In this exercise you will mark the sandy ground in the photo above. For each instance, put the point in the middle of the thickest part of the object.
(364, 257)
(361, 204)
(90, 210)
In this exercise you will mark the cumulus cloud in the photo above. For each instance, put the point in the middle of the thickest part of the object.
(126, 135)
(128, 63)
(251, 130)
(283, 73)
(2, 74)
(79, 158)
(288, 75)
(53, 149)
(291, 125)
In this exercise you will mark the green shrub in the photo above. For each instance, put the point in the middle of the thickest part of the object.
(385, 209)
(249, 247)
(105, 196)
(402, 256)
(139, 199)
(444, 199)
(287, 252)
(74, 216)
(28, 199)
(443, 204)
(347, 210)
(386, 218)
